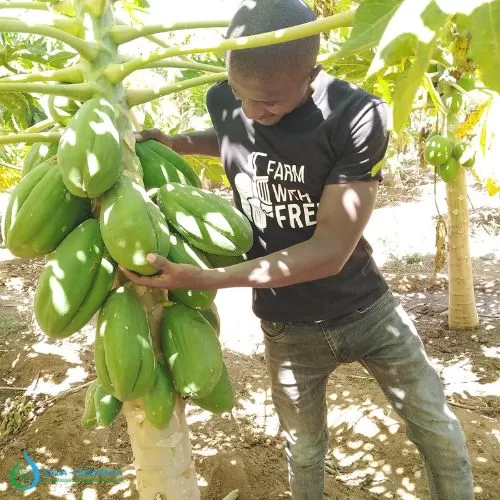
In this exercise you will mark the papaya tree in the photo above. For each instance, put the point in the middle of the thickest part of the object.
(447, 52)
(91, 200)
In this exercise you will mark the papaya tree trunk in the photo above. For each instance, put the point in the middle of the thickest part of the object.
(462, 311)
(162, 458)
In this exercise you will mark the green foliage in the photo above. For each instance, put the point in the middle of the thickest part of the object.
(370, 23)
(483, 25)
(208, 168)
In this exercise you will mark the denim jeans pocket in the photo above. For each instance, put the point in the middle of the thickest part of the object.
(273, 330)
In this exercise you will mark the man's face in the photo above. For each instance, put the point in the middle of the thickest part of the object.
(267, 99)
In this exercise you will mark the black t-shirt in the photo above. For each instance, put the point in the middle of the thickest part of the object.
(278, 174)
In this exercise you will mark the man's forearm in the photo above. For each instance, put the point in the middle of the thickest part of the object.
(196, 143)
(307, 261)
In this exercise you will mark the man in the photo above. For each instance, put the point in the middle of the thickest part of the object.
(298, 147)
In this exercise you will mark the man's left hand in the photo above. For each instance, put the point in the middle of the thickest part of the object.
(171, 275)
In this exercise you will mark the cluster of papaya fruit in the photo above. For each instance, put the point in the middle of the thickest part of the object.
(446, 153)
(52, 212)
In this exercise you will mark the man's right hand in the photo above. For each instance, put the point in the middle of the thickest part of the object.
(156, 135)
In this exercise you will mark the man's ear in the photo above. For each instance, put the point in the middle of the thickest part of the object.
(315, 72)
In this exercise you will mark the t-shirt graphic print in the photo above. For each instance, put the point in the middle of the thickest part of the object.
(268, 193)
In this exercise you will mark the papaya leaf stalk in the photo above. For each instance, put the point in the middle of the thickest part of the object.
(30, 138)
(86, 49)
(25, 5)
(80, 91)
(71, 74)
(209, 68)
(140, 96)
(117, 72)
(125, 33)
(40, 126)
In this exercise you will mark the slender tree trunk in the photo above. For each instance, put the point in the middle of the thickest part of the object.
(462, 313)
(162, 458)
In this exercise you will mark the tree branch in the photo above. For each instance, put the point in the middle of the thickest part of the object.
(117, 72)
(8, 165)
(140, 96)
(177, 63)
(40, 126)
(25, 5)
(80, 91)
(72, 74)
(85, 48)
(126, 33)
(30, 138)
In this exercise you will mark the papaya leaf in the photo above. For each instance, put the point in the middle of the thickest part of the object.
(428, 24)
(483, 24)
(351, 68)
(413, 24)
(209, 168)
(18, 106)
(60, 59)
(370, 21)
(8, 177)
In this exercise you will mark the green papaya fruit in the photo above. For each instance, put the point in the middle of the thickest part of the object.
(438, 150)
(75, 282)
(193, 352)
(132, 226)
(41, 212)
(205, 219)
(159, 400)
(107, 407)
(62, 109)
(161, 165)
(89, 420)
(221, 398)
(211, 314)
(449, 171)
(454, 102)
(181, 252)
(225, 260)
(89, 152)
(37, 154)
(124, 359)
(467, 82)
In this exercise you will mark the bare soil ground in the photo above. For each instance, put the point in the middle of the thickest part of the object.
(369, 457)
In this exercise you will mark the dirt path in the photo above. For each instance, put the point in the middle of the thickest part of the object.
(369, 456)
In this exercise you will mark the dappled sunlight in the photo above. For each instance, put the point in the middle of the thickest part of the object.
(106, 125)
(459, 377)
(60, 300)
(351, 204)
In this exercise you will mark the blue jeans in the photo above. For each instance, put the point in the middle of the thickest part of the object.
(300, 356)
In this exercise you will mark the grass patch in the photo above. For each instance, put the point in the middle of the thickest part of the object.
(11, 324)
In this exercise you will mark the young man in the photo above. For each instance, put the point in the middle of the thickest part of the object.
(298, 147)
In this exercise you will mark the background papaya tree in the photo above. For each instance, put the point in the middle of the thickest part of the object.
(441, 55)
(93, 78)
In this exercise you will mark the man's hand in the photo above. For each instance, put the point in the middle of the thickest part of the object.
(171, 275)
(156, 135)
